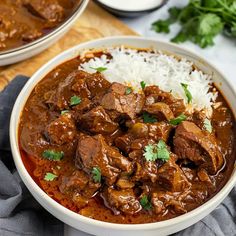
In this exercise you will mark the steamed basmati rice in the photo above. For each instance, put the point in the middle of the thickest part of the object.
(130, 67)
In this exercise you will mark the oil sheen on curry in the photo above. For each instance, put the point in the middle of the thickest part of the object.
(24, 21)
(118, 153)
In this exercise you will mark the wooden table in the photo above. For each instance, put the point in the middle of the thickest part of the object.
(94, 23)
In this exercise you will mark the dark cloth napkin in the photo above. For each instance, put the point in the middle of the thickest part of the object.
(20, 214)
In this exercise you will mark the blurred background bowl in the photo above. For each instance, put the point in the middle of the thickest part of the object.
(35, 47)
(131, 8)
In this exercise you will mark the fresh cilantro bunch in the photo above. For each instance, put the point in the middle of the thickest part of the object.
(201, 21)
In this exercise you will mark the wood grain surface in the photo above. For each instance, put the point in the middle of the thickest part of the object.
(94, 23)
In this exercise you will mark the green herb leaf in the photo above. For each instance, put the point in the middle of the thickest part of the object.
(187, 92)
(209, 24)
(207, 125)
(174, 13)
(143, 84)
(201, 21)
(156, 151)
(53, 155)
(99, 69)
(128, 91)
(178, 119)
(147, 118)
(145, 203)
(75, 100)
(64, 112)
(161, 26)
(180, 37)
(150, 152)
(162, 151)
(96, 175)
(49, 176)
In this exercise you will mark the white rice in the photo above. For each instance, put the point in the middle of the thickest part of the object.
(131, 67)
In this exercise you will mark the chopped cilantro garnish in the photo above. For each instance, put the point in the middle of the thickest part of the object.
(96, 174)
(53, 155)
(143, 84)
(187, 92)
(178, 119)
(207, 125)
(99, 69)
(64, 112)
(147, 118)
(156, 151)
(128, 91)
(49, 176)
(75, 100)
(145, 203)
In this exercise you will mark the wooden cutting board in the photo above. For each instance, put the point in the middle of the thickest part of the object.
(94, 23)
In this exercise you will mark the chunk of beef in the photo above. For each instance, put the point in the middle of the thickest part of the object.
(198, 146)
(123, 200)
(171, 177)
(161, 110)
(163, 201)
(123, 143)
(160, 130)
(122, 105)
(95, 152)
(62, 130)
(97, 83)
(74, 84)
(118, 88)
(154, 94)
(49, 10)
(97, 121)
(145, 171)
(77, 181)
(158, 205)
(80, 184)
(154, 131)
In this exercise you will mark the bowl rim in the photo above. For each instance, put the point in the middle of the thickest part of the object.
(28, 46)
(34, 188)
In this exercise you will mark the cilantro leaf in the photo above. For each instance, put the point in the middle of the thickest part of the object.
(207, 125)
(53, 155)
(75, 100)
(128, 91)
(64, 112)
(180, 37)
(161, 26)
(96, 175)
(209, 24)
(201, 21)
(145, 203)
(50, 176)
(99, 69)
(178, 119)
(162, 151)
(152, 152)
(174, 13)
(143, 84)
(147, 118)
(187, 92)
(204, 40)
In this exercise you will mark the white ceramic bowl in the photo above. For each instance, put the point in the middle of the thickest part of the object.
(31, 49)
(102, 228)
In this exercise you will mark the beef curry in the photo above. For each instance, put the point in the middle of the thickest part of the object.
(23, 21)
(112, 154)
